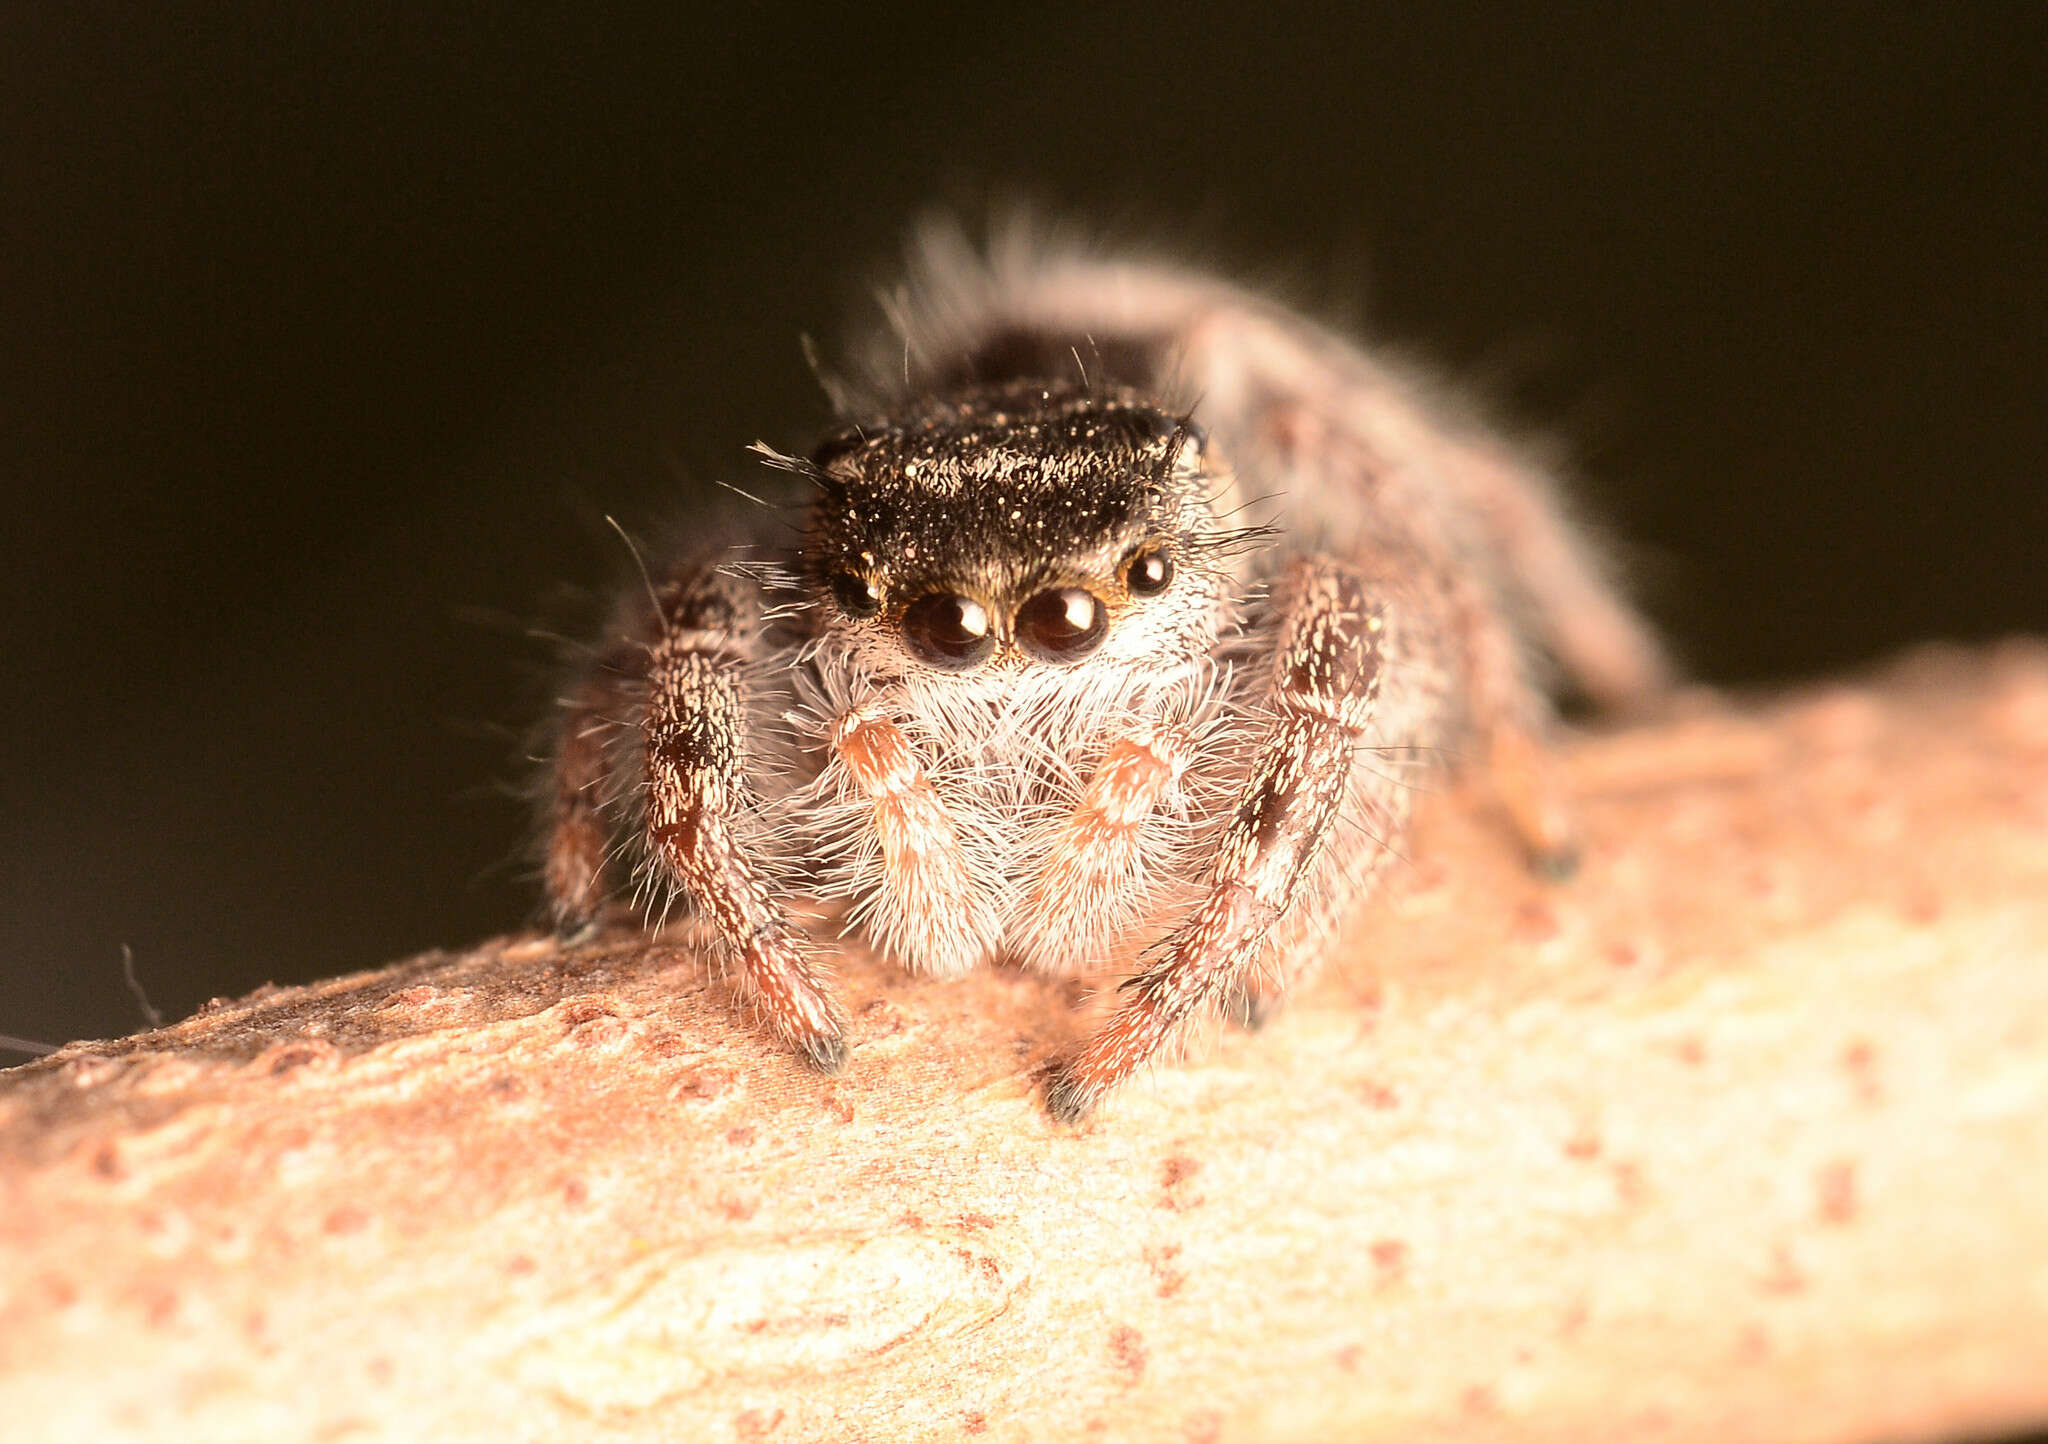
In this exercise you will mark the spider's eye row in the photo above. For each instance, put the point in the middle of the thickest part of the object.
(949, 631)
(1062, 624)
(856, 595)
(1149, 572)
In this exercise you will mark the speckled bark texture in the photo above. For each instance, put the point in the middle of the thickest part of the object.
(1742, 1134)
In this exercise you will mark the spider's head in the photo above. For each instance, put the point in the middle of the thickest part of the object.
(1019, 526)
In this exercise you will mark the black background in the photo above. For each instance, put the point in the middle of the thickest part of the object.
(326, 334)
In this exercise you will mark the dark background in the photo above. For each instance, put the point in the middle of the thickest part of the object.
(326, 334)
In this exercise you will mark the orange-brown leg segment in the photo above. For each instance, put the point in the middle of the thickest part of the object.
(1511, 716)
(929, 913)
(1091, 879)
(1530, 787)
(1326, 690)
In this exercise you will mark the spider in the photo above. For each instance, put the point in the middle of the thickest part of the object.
(1129, 610)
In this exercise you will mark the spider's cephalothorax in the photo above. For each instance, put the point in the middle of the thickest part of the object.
(995, 529)
(1030, 688)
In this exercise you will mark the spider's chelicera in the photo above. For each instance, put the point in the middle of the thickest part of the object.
(1123, 618)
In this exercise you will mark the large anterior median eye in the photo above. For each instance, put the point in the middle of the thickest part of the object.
(1062, 624)
(949, 631)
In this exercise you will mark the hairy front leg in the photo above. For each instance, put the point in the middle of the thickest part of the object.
(1325, 691)
(694, 735)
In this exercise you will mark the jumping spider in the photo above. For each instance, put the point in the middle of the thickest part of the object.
(1128, 609)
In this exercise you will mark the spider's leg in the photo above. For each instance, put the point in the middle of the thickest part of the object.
(1089, 881)
(1603, 646)
(1512, 716)
(929, 912)
(573, 862)
(698, 806)
(1324, 695)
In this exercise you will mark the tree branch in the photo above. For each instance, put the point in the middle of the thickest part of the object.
(1744, 1134)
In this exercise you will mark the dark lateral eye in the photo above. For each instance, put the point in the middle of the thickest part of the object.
(949, 631)
(856, 596)
(1062, 623)
(1148, 573)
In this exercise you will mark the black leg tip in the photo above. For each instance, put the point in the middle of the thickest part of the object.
(1556, 864)
(1249, 1010)
(827, 1053)
(575, 932)
(1067, 1101)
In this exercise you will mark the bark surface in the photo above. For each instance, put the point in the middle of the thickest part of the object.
(1741, 1134)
